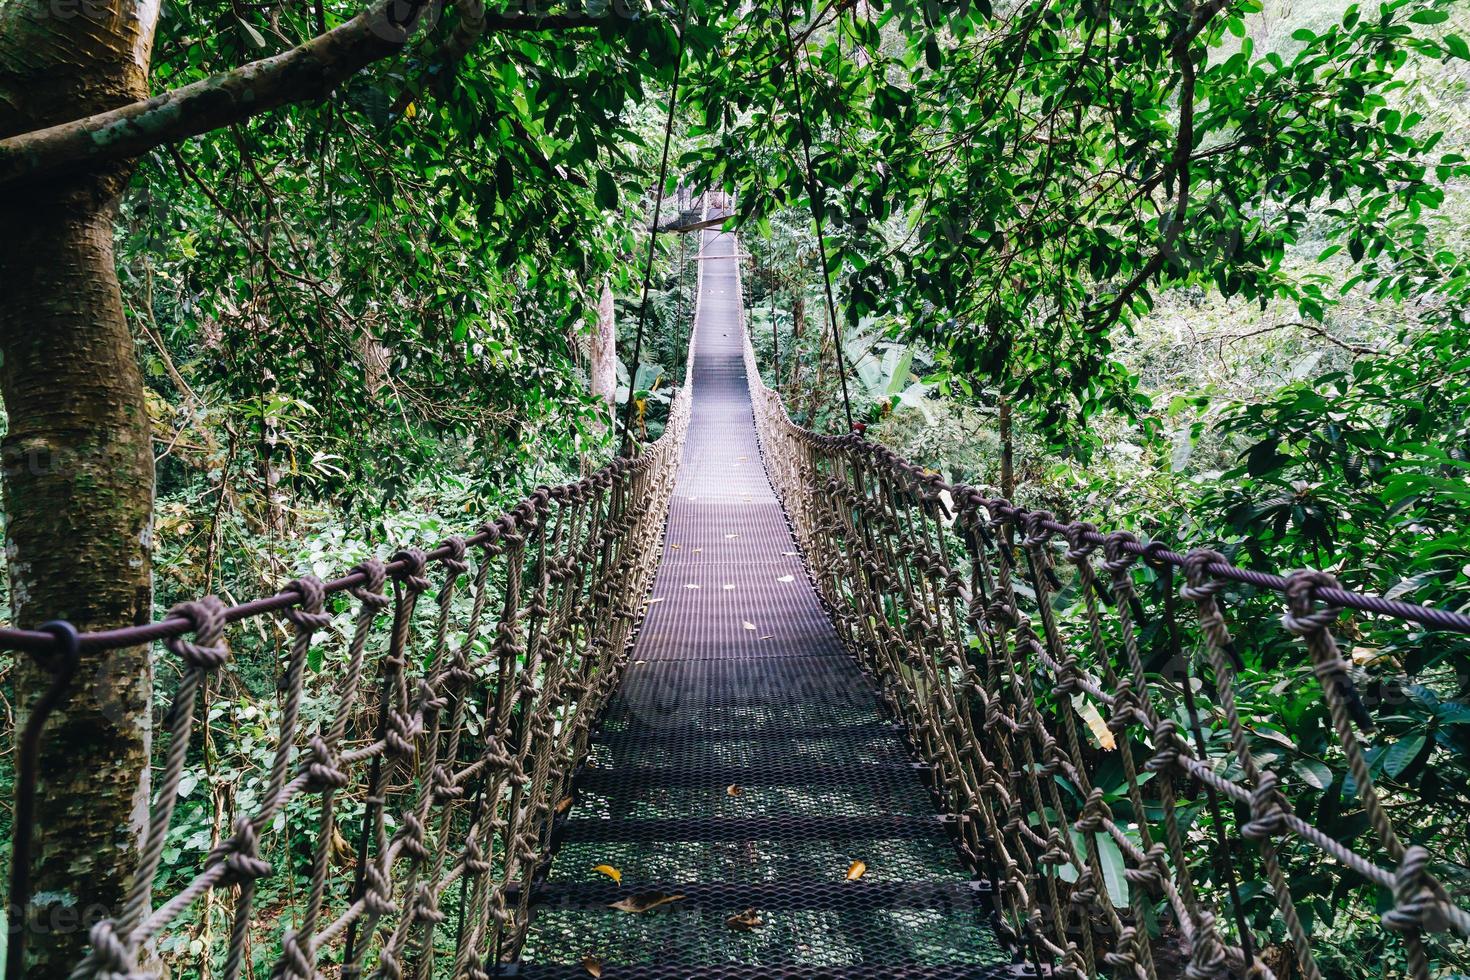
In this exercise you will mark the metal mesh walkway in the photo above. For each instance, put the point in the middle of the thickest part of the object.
(746, 762)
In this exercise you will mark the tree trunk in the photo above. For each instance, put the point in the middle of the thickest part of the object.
(603, 362)
(798, 328)
(78, 464)
(1007, 450)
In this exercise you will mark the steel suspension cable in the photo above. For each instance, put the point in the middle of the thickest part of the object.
(658, 201)
(818, 204)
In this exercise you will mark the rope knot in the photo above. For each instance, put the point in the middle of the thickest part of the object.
(1199, 583)
(110, 958)
(307, 615)
(205, 651)
(474, 858)
(412, 575)
(1127, 708)
(455, 560)
(1124, 956)
(426, 905)
(1034, 524)
(1094, 812)
(1117, 559)
(442, 785)
(1269, 809)
(1054, 854)
(1150, 874)
(1312, 625)
(1415, 905)
(1166, 746)
(370, 593)
(322, 771)
(1079, 543)
(297, 961)
(1153, 554)
(1209, 959)
(1302, 617)
(240, 855)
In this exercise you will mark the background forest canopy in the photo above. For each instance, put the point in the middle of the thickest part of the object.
(1194, 268)
(1155, 234)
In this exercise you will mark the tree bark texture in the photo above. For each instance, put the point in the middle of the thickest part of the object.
(78, 474)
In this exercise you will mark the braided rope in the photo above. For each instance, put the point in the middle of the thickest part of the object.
(444, 806)
(936, 588)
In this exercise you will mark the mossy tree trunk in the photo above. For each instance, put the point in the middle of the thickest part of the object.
(78, 462)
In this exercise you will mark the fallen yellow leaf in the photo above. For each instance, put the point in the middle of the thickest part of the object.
(644, 902)
(611, 872)
(565, 804)
(856, 870)
(744, 921)
(733, 790)
(1095, 722)
(592, 965)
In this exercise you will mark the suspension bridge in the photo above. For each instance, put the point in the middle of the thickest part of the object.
(753, 701)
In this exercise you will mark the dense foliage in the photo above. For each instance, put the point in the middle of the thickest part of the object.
(1211, 256)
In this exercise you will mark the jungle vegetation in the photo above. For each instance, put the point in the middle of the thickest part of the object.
(289, 284)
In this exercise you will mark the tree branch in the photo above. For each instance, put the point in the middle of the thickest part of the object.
(304, 74)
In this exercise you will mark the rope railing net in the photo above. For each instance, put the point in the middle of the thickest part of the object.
(445, 751)
(949, 598)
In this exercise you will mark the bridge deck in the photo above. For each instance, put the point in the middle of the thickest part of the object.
(746, 762)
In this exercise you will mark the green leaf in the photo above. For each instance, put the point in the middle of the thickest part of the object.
(1428, 17)
(1402, 753)
(607, 191)
(1113, 867)
(1313, 773)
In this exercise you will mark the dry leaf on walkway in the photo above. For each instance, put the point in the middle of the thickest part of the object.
(565, 804)
(733, 790)
(729, 586)
(659, 599)
(856, 870)
(592, 965)
(644, 902)
(732, 535)
(786, 578)
(744, 921)
(692, 585)
(611, 872)
(749, 626)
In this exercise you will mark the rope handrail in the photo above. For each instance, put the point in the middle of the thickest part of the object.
(42, 642)
(948, 597)
(1432, 616)
(460, 755)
